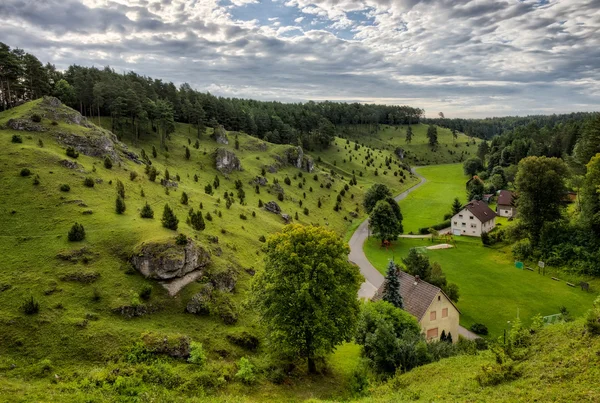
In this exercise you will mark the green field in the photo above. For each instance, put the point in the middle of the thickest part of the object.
(418, 151)
(427, 205)
(492, 290)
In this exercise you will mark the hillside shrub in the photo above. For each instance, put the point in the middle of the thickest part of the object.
(36, 118)
(16, 138)
(169, 220)
(437, 227)
(184, 198)
(120, 205)
(76, 233)
(65, 188)
(30, 306)
(246, 371)
(25, 172)
(147, 211)
(197, 354)
(479, 328)
(592, 319)
(133, 175)
(152, 173)
(280, 196)
(36, 180)
(522, 250)
(120, 188)
(181, 239)
(88, 182)
(71, 152)
(245, 340)
(146, 292)
(262, 239)
(196, 220)
(243, 216)
(108, 164)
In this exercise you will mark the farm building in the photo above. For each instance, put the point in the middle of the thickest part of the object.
(429, 304)
(505, 206)
(474, 219)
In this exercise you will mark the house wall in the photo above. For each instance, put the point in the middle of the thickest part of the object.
(469, 225)
(505, 211)
(448, 324)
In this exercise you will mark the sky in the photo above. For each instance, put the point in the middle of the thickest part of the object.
(465, 58)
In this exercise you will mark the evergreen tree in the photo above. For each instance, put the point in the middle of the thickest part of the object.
(184, 198)
(443, 336)
(147, 211)
(76, 233)
(120, 205)
(187, 153)
(456, 206)
(196, 220)
(108, 164)
(409, 134)
(391, 286)
(432, 135)
(120, 189)
(169, 220)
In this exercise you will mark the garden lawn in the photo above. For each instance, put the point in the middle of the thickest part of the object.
(427, 206)
(492, 290)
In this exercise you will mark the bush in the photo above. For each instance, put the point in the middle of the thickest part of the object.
(244, 340)
(152, 173)
(245, 371)
(108, 164)
(280, 196)
(133, 175)
(25, 172)
(196, 220)
(76, 233)
(287, 181)
(169, 220)
(181, 239)
(89, 182)
(120, 205)
(147, 211)
(36, 180)
(71, 152)
(184, 198)
(522, 250)
(262, 239)
(65, 188)
(36, 118)
(592, 320)
(495, 374)
(146, 292)
(197, 354)
(437, 227)
(30, 306)
(16, 138)
(243, 216)
(479, 328)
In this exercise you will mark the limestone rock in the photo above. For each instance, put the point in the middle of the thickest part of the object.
(169, 183)
(286, 218)
(226, 161)
(69, 164)
(25, 125)
(295, 157)
(200, 302)
(260, 180)
(220, 135)
(225, 280)
(273, 207)
(167, 260)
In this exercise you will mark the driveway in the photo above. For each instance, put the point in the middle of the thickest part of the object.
(373, 278)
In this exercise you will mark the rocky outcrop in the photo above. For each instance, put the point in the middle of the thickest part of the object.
(286, 218)
(178, 346)
(225, 280)
(399, 152)
(168, 261)
(220, 135)
(260, 180)
(168, 183)
(295, 157)
(25, 125)
(200, 302)
(226, 161)
(69, 164)
(273, 207)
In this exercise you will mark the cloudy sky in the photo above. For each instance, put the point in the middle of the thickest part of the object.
(466, 58)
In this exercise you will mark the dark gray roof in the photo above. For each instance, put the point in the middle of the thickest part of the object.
(505, 198)
(417, 295)
(480, 210)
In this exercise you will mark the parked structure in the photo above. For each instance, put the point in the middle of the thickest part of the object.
(505, 206)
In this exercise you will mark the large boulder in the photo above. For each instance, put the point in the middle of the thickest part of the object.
(25, 125)
(226, 161)
(167, 260)
(200, 302)
(273, 207)
(295, 157)
(220, 135)
(225, 280)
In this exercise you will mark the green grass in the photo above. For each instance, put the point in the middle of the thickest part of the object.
(427, 205)
(418, 151)
(492, 290)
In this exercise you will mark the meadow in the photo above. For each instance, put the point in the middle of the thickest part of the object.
(427, 205)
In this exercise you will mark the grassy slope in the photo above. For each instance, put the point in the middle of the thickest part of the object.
(561, 367)
(32, 236)
(418, 150)
(427, 205)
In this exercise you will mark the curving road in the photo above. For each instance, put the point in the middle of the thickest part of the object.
(373, 278)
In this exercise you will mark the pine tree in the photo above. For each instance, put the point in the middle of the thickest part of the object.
(76, 233)
(187, 153)
(449, 338)
(196, 220)
(147, 211)
(184, 198)
(456, 206)
(120, 189)
(391, 286)
(443, 336)
(120, 205)
(169, 220)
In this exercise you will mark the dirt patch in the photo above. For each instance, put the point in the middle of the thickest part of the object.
(441, 246)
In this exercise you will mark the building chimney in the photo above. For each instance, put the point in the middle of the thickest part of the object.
(417, 278)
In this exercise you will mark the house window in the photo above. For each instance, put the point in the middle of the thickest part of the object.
(455, 223)
(470, 217)
(460, 216)
(432, 333)
(463, 224)
(473, 225)
(432, 315)
(445, 313)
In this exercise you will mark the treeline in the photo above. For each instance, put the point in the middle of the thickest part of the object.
(146, 104)
(491, 127)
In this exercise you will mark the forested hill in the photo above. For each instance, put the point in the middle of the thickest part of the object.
(491, 127)
(148, 103)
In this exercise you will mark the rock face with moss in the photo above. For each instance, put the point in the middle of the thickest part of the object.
(220, 135)
(295, 157)
(226, 161)
(168, 261)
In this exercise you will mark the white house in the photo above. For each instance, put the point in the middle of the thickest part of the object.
(433, 309)
(474, 219)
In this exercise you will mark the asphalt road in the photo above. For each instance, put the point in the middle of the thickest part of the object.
(373, 278)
